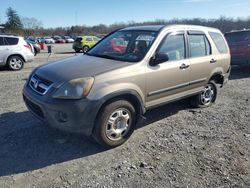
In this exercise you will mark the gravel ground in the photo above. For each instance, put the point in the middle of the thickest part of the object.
(177, 146)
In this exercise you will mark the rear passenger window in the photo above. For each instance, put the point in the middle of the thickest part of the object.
(11, 41)
(199, 45)
(1, 41)
(219, 42)
(89, 39)
(174, 47)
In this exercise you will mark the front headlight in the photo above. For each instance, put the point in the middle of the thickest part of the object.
(75, 89)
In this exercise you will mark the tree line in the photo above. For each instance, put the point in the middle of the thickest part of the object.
(31, 26)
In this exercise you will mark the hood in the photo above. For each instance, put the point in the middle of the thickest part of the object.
(77, 67)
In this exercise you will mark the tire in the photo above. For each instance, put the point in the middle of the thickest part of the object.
(15, 63)
(85, 49)
(207, 97)
(35, 52)
(115, 124)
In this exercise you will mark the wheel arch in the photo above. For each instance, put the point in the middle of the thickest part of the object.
(131, 96)
(217, 77)
(19, 55)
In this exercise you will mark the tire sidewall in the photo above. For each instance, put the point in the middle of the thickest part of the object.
(213, 84)
(85, 49)
(9, 60)
(100, 128)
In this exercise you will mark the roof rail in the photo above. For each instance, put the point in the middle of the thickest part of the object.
(9, 34)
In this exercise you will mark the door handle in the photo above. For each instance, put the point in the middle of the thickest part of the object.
(184, 66)
(213, 61)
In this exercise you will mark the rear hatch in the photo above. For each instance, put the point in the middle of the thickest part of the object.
(78, 43)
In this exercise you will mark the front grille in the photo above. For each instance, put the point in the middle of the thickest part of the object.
(39, 85)
(33, 107)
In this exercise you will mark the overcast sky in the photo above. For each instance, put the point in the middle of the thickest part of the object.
(57, 13)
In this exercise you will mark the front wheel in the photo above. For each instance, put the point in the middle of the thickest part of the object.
(115, 123)
(207, 97)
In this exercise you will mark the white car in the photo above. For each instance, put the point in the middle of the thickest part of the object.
(68, 39)
(14, 52)
(48, 40)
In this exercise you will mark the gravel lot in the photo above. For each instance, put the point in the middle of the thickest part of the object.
(177, 146)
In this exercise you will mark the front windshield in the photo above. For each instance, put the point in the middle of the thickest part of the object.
(130, 46)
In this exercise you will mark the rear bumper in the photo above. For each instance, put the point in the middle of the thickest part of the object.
(226, 76)
(69, 115)
(29, 57)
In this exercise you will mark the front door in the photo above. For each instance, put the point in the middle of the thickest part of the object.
(170, 78)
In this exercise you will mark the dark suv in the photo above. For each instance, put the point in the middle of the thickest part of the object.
(239, 44)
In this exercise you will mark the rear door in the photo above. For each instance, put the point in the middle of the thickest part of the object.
(11, 44)
(88, 42)
(202, 62)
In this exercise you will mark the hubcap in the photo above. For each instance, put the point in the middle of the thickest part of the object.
(207, 95)
(85, 49)
(118, 124)
(16, 63)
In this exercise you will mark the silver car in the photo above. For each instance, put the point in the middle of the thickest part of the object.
(14, 52)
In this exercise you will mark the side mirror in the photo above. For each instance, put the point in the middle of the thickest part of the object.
(158, 59)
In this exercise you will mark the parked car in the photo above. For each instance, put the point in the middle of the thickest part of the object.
(239, 44)
(105, 93)
(68, 39)
(34, 45)
(59, 39)
(84, 43)
(48, 40)
(14, 52)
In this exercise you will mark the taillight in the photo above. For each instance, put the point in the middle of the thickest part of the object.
(27, 46)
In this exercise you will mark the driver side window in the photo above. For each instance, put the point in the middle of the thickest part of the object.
(174, 47)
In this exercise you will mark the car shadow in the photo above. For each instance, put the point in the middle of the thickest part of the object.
(238, 72)
(28, 144)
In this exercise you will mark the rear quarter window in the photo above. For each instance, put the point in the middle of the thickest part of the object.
(11, 40)
(219, 42)
(89, 39)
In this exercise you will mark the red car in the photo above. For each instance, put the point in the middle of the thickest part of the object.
(118, 45)
(239, 44)
(58, 39)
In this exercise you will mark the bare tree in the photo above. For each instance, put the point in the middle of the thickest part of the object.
(31, 23)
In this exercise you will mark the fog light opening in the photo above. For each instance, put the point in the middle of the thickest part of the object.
(62, 117)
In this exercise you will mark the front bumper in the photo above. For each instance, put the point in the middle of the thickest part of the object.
(69, 115)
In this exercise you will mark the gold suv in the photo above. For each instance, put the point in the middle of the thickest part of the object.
(105, 92)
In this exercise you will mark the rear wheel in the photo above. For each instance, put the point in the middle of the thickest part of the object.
(115, 123)
(207, 97)
(85, 49)
(15, 63)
